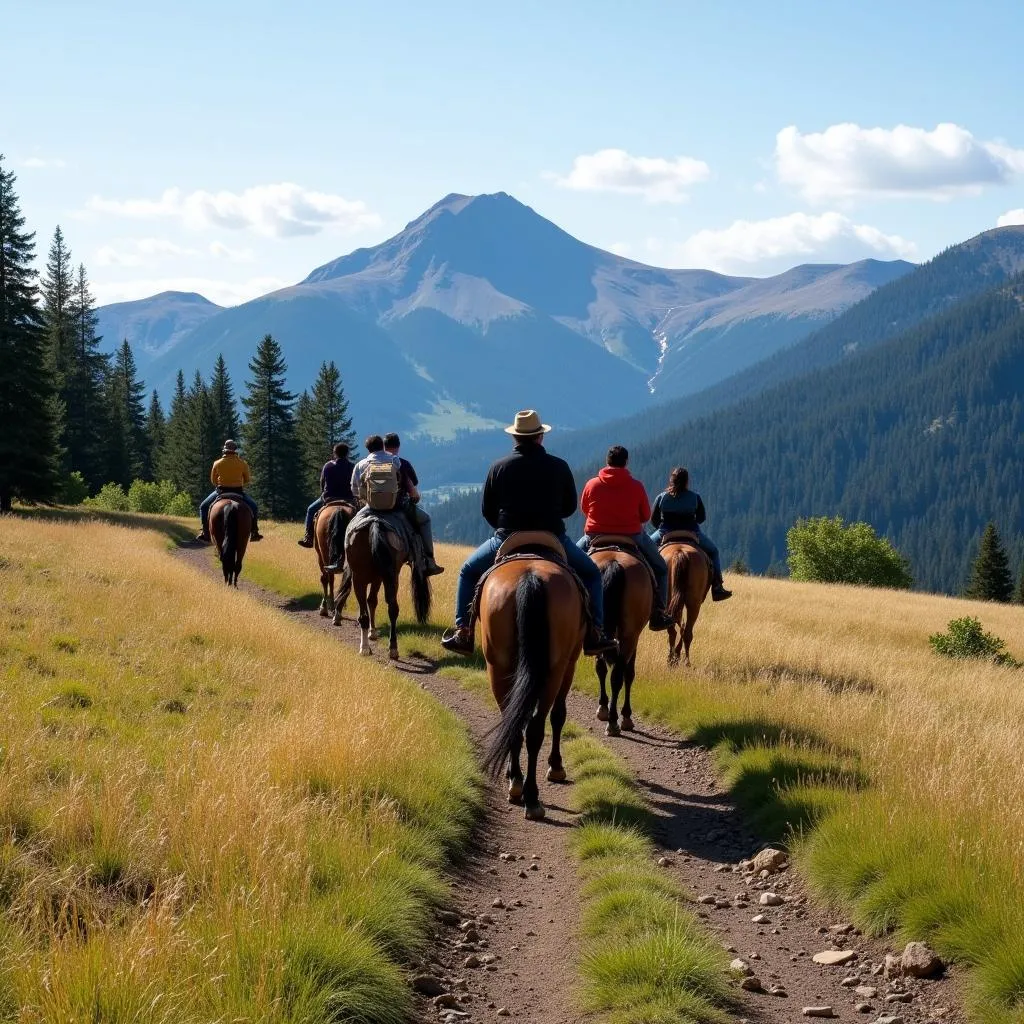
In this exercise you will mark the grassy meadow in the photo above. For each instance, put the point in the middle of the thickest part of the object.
(895, 774)
(207, 813)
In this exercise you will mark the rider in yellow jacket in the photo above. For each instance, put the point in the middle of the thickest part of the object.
(229, 473)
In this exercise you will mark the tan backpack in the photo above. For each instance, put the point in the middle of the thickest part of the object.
(380, 480)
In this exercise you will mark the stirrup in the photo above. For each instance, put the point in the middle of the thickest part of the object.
(597, 643)
(458, 641)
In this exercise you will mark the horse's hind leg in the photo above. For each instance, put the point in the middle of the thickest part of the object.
(327, 583)
(629, 674)
(364, 620)
(691, 620)
(601, 667)
(673, 644)
(534, 741)
(556, 771)
(515, 772)
(372, 606)
(391, 597)
(612, 728)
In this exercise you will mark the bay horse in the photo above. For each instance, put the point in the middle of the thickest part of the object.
(372, 563)
(532, 627)
(329, 543)
(628, 601)
(230, 526)
(689, 580)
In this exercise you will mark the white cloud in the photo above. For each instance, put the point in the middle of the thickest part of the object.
(280, 210)
(846, 161)
(39, 162)
(150, 252)
(1011, 217)
(657, 179)
(224, 293)
(745, 243)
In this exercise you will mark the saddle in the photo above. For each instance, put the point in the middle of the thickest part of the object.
(229, 495)
(336, 503)
(402, 538)
(628, 546)
(680, 537)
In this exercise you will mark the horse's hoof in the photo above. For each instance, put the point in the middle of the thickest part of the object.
(535, 813)
(393, 655)
(336, 621)
(627, 724)
(515, 792)
(556, 775)
(612, 729)
(602, 714)
(365, 652)
(373, 635)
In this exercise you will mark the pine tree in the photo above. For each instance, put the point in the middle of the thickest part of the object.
(204, 444)
(126, 418)
(28, 407)
(156, 432)
(990, 578)
(1019, 599)
(322, 420)
(269, 433)
(173, 464)
(222, 395)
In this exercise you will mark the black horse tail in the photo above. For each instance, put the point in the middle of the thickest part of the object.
(421, 596)
(380, 551)
(677, 591)
(613, 583)
(532, 668)
(336, 537)
(229, 545)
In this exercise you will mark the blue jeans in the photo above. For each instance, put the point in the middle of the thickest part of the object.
(706, 544)
(649, 549)
(483, 558)
(311, 514)
(204, 508)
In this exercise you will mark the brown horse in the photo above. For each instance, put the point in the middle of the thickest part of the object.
(372, 562)
(628, 600)
(689, 580)
(329, 542)
(531, 617)
(230, 526)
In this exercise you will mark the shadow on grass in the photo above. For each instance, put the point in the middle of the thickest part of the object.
(737, 735)
(170, 528)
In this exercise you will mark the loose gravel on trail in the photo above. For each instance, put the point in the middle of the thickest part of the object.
(507, 947)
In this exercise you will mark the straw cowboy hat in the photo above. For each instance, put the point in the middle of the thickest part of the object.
(229, 446)
(527, 424)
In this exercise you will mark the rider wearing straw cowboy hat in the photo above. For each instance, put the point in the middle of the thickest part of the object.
(529, 489)
(230, 473)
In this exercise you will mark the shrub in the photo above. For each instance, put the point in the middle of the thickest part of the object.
(965, 638)
(180, 505)
(824, 550)
(111, 498)
(145, 497)
(74, 489)
(739, 567)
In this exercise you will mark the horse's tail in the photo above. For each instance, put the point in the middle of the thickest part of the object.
(613, 583)
(532, 667)
(677, 592)
(380, 551)
(336, 537)
(229, 545)
(421, 596)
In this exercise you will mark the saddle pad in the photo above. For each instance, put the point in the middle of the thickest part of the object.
(230, 496)
(530, 538)
(680, 537)
(612, 540)
(337, 503)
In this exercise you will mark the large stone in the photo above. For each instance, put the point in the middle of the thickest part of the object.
(741, 965)
(770, 860)
(428, 985)
(919, 960)
(770, 899)
(834, 957)
(818, 1011)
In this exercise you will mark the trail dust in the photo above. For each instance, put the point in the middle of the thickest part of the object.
(769, 923)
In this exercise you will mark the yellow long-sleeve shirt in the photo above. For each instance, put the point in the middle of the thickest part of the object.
(230, 471)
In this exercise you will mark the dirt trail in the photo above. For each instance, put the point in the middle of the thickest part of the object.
(702, 835)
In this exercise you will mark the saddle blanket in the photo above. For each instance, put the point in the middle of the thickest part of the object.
(396, 522)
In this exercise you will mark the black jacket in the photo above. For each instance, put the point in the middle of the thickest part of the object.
(529, 490)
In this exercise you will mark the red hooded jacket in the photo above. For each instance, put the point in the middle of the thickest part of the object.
(614, 502)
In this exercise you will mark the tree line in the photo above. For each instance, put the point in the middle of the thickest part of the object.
(74, 418)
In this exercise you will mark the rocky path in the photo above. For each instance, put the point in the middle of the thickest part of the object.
(508, 946)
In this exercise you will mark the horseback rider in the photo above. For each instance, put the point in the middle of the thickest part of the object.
(230, 474)
(615, 502)
(408, 484)
(679, 508)
(335, 485)
(527, 490)
(360, 481)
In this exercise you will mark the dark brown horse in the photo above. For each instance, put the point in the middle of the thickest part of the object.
(329, 542)
(374, 557)
(689, 580)
(531, 618)
(230, 526)
(628, 599)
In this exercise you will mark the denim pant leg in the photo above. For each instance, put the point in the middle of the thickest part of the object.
(469, 575)
(708, 545)
(581, 564)
(311, 515)
(204, 509)
(649, 547)
(656, 538)
(583, 543)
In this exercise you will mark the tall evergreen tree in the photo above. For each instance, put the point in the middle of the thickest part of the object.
(126, 418)
(204, 443)
(990, 578)
(173, 464)
(322, 420)
(222, 396)
(1019, 599)
(28, 408)
(156, 431)
(269, 433)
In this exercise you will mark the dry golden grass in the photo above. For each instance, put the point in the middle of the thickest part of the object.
(206, 811)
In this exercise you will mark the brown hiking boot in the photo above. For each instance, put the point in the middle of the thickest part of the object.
(596, 642)
(458, 640)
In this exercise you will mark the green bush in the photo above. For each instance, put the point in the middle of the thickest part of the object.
(824, 550)
(965, 638)
(74, 490)
(143, 496)
(111, 498)
(180, 505)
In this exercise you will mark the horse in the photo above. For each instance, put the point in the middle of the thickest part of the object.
(532, 626)
(373, 563)
(329, 543)
(628, 600)
(689, 580)
(230, 526)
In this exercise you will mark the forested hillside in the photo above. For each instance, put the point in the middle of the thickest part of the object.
(920, 436)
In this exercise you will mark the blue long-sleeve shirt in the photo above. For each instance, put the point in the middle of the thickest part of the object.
(683, 511)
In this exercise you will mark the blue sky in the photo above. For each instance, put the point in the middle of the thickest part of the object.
(229, 148)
